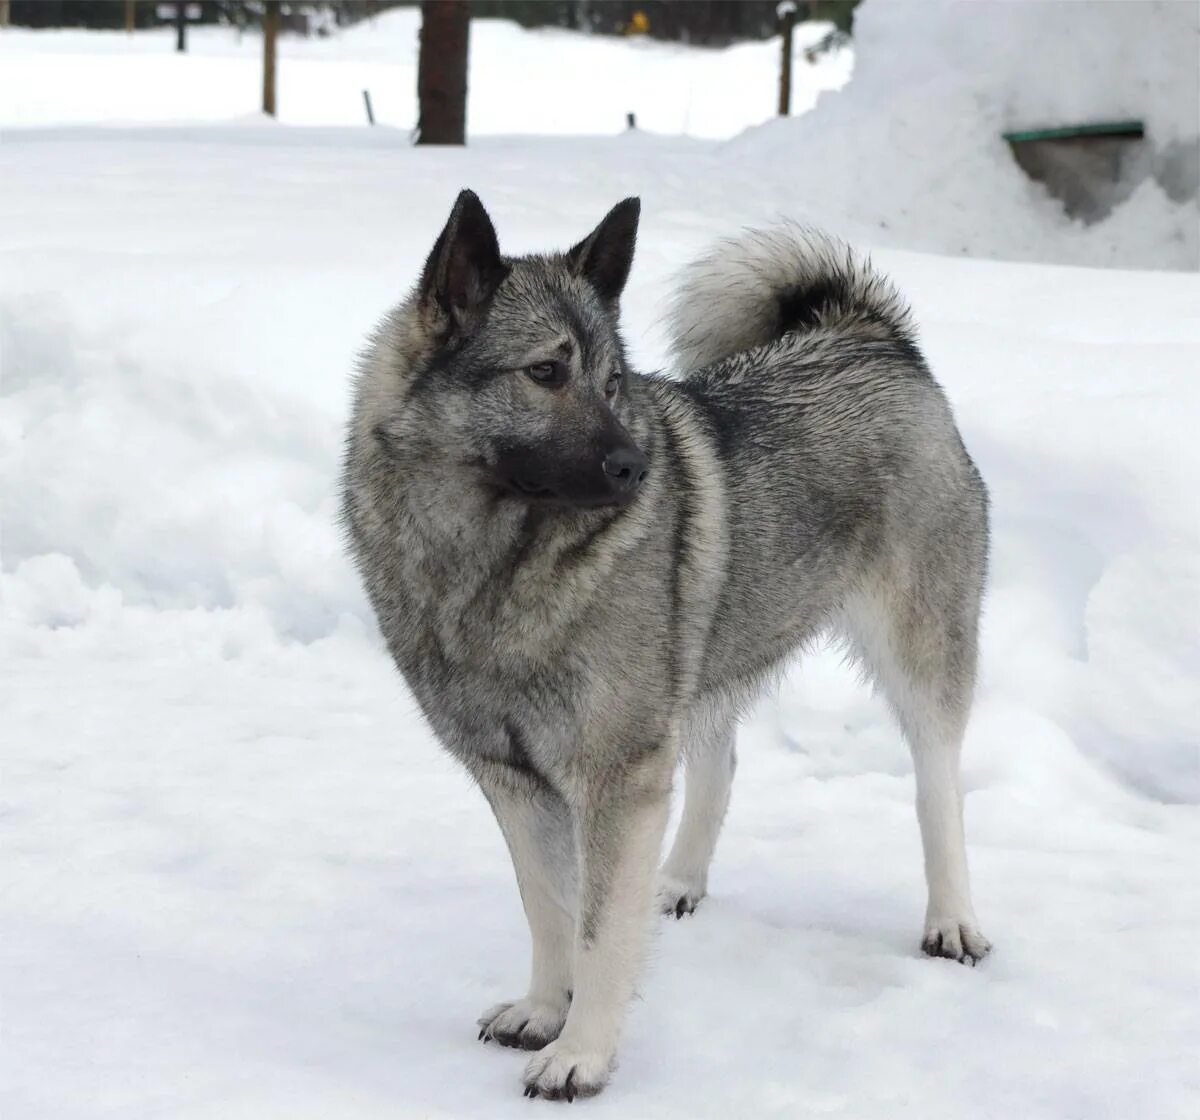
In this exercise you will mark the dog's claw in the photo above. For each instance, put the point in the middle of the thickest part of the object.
(964, 943)
(678, 898)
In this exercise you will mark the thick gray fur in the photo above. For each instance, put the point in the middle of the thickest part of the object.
(805, 477)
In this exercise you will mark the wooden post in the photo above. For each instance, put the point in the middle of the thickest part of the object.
(130, 16)
(442, 72)
(270, 34)
(180, 25)
(787, 21)
(3, 13)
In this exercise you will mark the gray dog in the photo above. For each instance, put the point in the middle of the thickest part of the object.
(585, 573)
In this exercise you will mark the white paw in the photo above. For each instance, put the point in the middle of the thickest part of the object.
(960, 939)
(679, 895)
(524, 1024)
(565, 1072)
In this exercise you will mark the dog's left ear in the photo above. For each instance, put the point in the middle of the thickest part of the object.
(605, 256)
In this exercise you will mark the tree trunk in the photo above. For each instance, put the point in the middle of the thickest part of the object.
(181, 26)
(442, 72)
(130, 16)
(3, 13)
(270, 34)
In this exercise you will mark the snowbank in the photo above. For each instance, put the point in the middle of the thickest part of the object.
(910, 153)
(241, 879)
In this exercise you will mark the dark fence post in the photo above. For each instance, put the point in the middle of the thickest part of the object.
(787, 21)
(270, 34)
(181, 26)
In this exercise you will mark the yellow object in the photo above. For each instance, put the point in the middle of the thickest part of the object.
(638, 24)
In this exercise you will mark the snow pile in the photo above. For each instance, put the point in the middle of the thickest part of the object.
(520, 81)
(910, 153)
(242, 880)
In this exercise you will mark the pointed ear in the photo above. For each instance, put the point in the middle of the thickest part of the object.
(604, 257)
(464, 269)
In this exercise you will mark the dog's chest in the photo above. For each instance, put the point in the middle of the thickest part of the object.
(484, 675)
(494, 626)
(474, 599)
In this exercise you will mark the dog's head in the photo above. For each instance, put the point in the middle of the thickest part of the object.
(517, 378)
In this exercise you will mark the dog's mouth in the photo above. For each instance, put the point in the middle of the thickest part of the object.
(535, 493)
(532, 489)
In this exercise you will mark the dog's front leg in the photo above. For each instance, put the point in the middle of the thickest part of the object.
(620, 821)
(538, 829)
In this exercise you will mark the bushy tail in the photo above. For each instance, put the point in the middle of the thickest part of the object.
(750, 290)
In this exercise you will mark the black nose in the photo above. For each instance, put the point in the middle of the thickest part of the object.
(626, 469)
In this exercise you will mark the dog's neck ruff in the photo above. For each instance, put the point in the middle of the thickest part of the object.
(521, 572)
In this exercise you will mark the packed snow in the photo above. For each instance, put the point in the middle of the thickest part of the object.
(241, 879)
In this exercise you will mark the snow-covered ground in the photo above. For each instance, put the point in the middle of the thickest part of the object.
(909, 155)
(240, 879)
(543, 81)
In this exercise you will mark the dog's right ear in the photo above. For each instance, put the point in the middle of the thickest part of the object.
(465, 269)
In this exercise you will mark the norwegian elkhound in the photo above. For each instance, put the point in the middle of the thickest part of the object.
(585, 572)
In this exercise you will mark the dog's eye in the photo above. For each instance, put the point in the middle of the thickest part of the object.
(612, 384)
(547, 373)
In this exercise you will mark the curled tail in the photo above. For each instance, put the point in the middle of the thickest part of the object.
(750, 290)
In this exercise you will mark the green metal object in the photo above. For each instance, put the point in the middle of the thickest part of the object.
(1130, 129)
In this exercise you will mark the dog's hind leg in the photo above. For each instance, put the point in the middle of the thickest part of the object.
(538, 828)
(921, 650)
(711, 758)
(951, 928)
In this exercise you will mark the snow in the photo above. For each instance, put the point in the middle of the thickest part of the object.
(240, 878)
(544, 81)
(911, 153)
